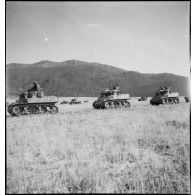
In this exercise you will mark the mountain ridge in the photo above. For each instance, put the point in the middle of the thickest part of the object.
(75, 77)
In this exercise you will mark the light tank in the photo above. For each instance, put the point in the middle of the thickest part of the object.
(64, 102)
(112, 99)
(142, 99)
(75, 101)
(33, 103)
(187, 99)
(163, 96)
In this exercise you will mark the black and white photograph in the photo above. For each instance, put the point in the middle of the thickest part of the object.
(98, 97)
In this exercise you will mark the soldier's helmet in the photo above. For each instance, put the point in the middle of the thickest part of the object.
(161, 87)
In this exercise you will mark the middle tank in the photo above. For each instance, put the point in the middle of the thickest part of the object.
(110, 98)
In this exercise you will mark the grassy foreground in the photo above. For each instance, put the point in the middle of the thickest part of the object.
(144, 149)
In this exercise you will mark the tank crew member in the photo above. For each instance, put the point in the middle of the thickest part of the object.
(162, 90)
(23, 95)
(166, 89)
(35, 87)
(115, 90)
(33, 91)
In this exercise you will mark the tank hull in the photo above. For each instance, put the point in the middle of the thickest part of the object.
(107, 104)
(111, 99)
(164, 100)
(33, 106)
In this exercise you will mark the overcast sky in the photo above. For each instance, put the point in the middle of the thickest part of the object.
(149, 37)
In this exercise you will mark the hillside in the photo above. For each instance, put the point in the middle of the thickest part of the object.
(73, 77)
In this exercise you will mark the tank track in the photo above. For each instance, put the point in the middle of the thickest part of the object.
(32, 108)
(109, 104)
(170, 100)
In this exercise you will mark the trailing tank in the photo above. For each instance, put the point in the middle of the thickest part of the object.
(112, 99)
(33, 103)
(164, 96)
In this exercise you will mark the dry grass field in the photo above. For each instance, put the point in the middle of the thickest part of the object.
(142, 149)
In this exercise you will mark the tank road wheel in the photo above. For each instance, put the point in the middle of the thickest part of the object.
(39, 109)
(163, 101)
(106, 105)
(26, 110)
(31, 109)
(120, 104)
(117, 104)
(112, 104)
(127, 104)
(171, 101)
(43, 109)
(54, 109)
(176, 100)
(16, 111)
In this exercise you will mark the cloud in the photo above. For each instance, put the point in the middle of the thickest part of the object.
(93, 25)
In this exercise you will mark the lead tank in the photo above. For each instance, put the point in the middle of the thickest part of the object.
(164, 96)
(112, 99)
(33, 103)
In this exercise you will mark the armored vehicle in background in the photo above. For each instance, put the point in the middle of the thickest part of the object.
(142, 99)
(187, 99)
(110, 98)
(33, 103)
(75, 101)
(163, 96)
(64, 102)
